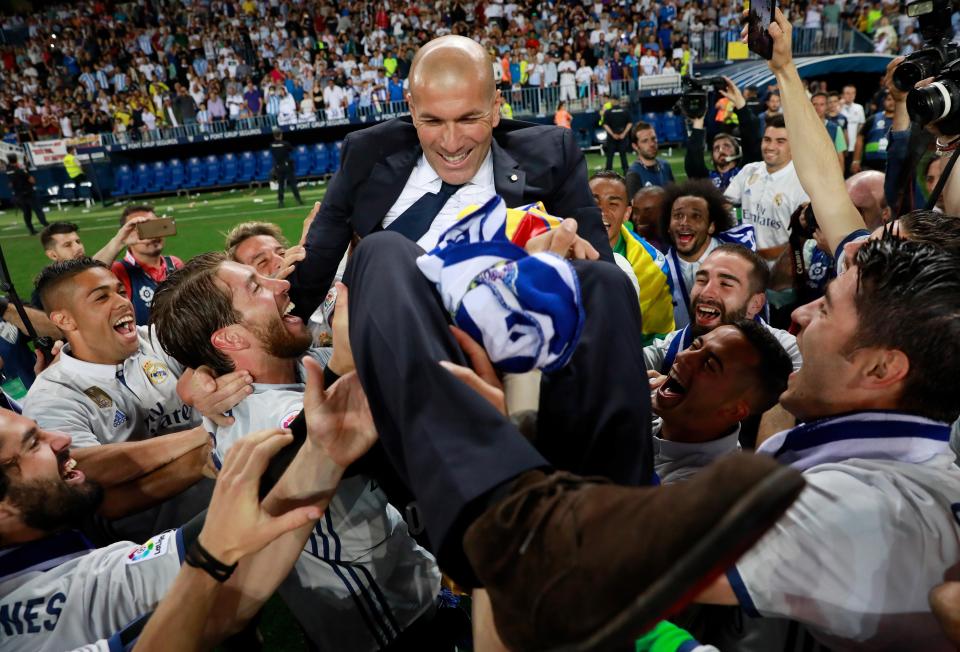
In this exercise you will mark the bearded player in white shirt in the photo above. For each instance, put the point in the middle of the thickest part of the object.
(361, 579)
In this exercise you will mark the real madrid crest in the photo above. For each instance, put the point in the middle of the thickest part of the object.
(156, 371)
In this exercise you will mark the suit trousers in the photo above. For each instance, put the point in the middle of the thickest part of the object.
(449, 446)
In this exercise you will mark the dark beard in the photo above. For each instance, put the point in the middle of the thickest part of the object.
(51, 505)
(696, 330)
(281, 343)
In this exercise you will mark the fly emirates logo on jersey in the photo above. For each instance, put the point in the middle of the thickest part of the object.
(159, 420)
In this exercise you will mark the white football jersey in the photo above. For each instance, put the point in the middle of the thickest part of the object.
(361, 578)
(104, 404)
(58, 594)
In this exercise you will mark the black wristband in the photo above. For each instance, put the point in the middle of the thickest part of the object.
(4, 304)
(199, 557)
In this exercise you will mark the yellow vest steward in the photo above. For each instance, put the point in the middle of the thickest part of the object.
(73, 167)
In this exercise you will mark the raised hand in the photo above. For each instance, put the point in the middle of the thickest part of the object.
(236, 523)
(339, 421)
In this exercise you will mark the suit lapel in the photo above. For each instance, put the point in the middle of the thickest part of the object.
(508, 179)
(382, 188)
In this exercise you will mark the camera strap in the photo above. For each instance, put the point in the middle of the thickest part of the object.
(935, 195)
(6, 284)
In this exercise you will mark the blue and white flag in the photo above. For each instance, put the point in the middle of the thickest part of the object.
(525, 309)
(742, 234)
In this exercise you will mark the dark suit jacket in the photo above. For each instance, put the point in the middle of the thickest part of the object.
(530, 163)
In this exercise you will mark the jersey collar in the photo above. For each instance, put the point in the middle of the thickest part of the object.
(76, 367)
(42, 555)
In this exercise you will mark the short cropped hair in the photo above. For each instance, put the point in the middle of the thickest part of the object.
(188, 307)
(759, 278)
(717, 211)
(246, 230)
(638, 127)
(776, 121)
(908, 299)
(612, 176)
(55, 228)
(775, 364)
(52, 277)
(135, 208)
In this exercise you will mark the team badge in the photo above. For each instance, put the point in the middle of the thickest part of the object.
(156, 371)
(288, 419)
(778, 198)
(99, 397)
(153, 548)
(119, 418)
(146, 294)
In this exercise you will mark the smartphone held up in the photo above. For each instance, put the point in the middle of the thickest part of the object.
(162, 227)
(759, 17)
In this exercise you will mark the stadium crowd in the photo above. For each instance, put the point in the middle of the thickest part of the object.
(589, 401)
(96, 67)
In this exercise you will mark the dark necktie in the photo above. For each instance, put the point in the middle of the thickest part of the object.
(416, 220)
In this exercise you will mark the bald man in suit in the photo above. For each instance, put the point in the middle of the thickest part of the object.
(455, 146)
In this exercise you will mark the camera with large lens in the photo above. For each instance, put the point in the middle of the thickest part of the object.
(934, 18)
(695, 92)
(939, 102)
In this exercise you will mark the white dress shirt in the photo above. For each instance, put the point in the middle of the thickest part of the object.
(424, 179)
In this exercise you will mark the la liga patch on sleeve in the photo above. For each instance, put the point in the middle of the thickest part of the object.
(155, 546)
(288, 419)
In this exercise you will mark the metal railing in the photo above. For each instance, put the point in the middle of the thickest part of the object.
(807, 41)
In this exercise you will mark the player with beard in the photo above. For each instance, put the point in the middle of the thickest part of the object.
(361, 579)
(58, 591)
(113, 383)
(730, 285)
(692, 217)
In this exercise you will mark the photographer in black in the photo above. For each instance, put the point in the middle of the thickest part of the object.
(728, 152)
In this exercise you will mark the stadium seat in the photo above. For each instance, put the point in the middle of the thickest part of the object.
(319, 160)
(674, 129)
(175, 177)
(264, 165)
(122, 180)
(212, 170)
(159, 177)
(194, 176)
(230, 169)
(333, 156)
(247, 168)
(141, 179)
(301, 160)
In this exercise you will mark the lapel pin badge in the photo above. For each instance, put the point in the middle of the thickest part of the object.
(513, 177)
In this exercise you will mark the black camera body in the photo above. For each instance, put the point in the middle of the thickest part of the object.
(940, 101)
(695, 91)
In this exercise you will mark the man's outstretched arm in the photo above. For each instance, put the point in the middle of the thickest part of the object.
(816, 160)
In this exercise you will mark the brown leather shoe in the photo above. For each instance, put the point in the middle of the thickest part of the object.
(579, 564)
